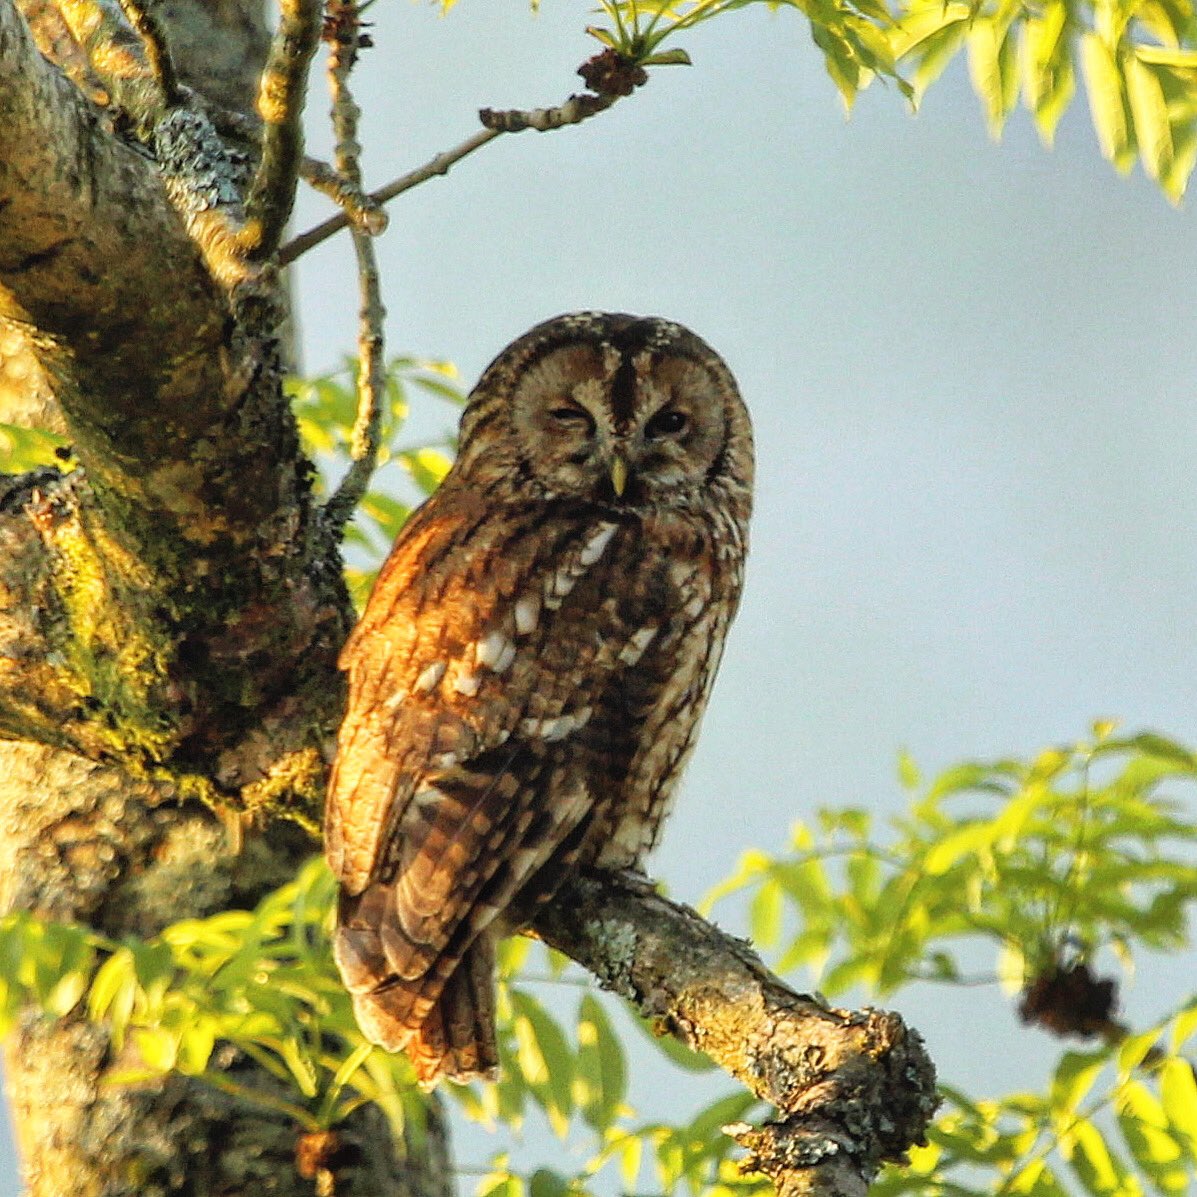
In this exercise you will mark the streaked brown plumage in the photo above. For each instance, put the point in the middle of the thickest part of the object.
(526, 682)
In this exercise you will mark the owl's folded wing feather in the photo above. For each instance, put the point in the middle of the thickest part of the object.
(451, 661)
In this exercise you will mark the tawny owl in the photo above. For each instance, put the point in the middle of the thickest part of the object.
(526, 682)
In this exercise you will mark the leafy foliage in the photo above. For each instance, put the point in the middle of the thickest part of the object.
(262, 983)
(1044, 862)
(25, 449)
(325, 408)
(1076, 849)
(1138, 60)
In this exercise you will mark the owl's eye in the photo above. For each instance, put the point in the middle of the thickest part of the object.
(669, 421)
(569, 415)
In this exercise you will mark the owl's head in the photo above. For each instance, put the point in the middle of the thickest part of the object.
(615, 409)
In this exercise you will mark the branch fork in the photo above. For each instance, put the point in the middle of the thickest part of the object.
(852, 1090)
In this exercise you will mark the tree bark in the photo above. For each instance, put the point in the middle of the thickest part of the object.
(170, 614)
(168, 630)
(851, 1090)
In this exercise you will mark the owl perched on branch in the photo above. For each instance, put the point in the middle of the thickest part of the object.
(526, 683)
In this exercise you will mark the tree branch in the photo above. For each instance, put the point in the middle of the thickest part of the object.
(852, 1090)
(496, 122)
(126, 48)
(280, 105)
(371, 370)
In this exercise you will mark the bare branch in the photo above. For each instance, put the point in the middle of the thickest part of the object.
(157, 52)
(851, 1089)
(573, 112)
(363, 212)
(371, 373)
(127, 50)
(280, 105)
(439, 165)
(515, 120)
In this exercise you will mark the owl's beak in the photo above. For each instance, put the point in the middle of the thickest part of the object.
(619, 475)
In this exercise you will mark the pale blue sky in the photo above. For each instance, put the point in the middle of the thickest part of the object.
(971, 369)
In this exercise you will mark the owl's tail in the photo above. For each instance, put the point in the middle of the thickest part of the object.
(445, 1023)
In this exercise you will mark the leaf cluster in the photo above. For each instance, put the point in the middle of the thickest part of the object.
(261, 984)
(1080, 852)
(325, 408)
(1137, 59)
(1077, 849)
(1118, 1121)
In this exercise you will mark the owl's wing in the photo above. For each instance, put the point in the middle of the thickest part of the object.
(463, 667)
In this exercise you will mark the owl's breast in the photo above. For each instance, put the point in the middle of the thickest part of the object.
(676, 597)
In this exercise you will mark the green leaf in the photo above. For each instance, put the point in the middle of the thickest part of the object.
(1178, 1092)
(908, 771)
(956, 846)
(426, 466)
(545, 1183)
(992, 66)
(1107, 102)
(601, 1066)
(1096, 1167)
(1144, 1128)
(25, 449)
(1074, 1077)
(158, 1048)
(389, 514)
(1153, 744)
(544, 1059)
(1153, 129)
(675, 57)
(113, 992)
(1185, 60)
(765, 913)
(196, 1043)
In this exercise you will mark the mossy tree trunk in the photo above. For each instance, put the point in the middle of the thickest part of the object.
(172, 607)
(170, 611)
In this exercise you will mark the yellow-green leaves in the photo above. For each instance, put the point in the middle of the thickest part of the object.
(24, 449)
(1138, 59)
(1108, 104)
(326, 407)
(1079, 854)
(993, 67)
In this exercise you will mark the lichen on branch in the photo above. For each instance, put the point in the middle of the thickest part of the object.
(851, 1090)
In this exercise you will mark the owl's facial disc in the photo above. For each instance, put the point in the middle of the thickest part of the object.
(619, 428)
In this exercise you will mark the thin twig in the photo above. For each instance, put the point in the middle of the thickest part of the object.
(439, 165)
(127, 50)
(364, 212)
(280, 105)
(157, 51)
(515, 120)
(371, 372)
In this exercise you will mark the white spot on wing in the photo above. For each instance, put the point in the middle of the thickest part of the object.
(527, 614)
(427, 797)
(566, 578)
(594, 548)
(552, 730)
(467, 684)
(494, 651)
(561, 584)
(430, 678)
(639, 641)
